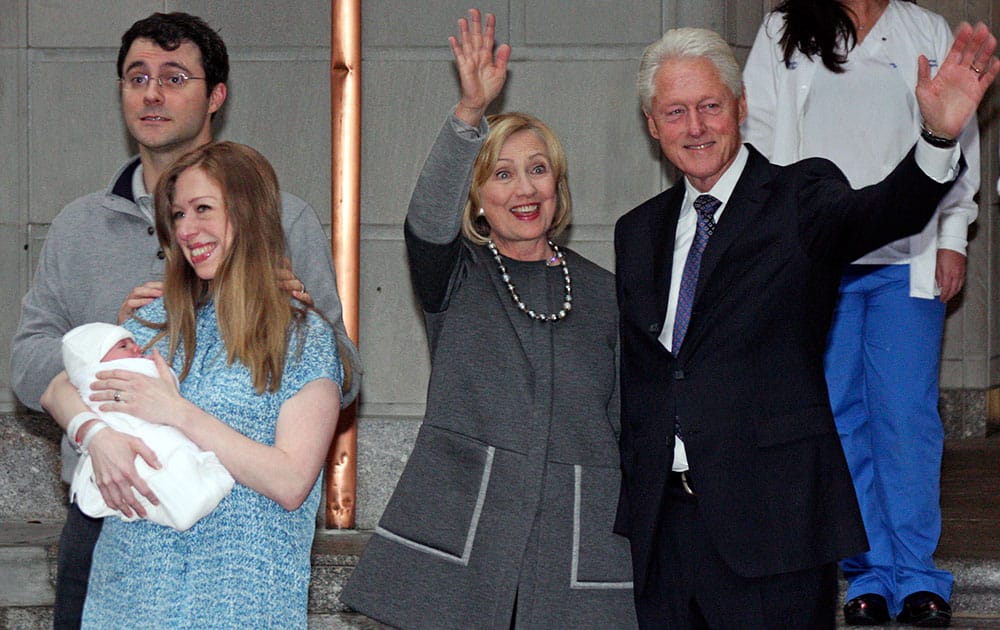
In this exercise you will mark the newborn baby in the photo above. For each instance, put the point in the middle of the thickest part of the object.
(190, 483)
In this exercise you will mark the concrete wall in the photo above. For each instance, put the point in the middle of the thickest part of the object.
(573, 65)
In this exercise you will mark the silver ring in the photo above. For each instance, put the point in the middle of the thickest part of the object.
(975, 69)
(118, 396)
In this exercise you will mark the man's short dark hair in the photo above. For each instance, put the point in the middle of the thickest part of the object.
(169, 31)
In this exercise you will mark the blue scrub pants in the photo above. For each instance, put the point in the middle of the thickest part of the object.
(882, 368)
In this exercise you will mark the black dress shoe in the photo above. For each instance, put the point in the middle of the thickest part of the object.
(866, 610)
(925, 609)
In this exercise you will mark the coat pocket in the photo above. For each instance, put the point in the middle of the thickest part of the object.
(439, 499)
(601, 558)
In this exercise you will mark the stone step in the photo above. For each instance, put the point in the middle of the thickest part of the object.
(28, 552)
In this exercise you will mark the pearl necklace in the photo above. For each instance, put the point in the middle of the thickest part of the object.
(542, 317)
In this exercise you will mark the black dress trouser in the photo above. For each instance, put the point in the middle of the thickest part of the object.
(76, 550)
(689, 585)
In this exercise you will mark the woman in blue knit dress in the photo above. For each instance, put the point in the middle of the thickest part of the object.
(260, 386)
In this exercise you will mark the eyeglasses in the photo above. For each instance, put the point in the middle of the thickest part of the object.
(169, 81)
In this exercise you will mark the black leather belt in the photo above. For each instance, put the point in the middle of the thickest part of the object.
(681, 480)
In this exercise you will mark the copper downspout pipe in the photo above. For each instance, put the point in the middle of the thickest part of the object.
(345, 182)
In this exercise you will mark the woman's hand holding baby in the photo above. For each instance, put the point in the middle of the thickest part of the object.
(153, 399)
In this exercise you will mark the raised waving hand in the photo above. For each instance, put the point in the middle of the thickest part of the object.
(481, 72)
(949, 99)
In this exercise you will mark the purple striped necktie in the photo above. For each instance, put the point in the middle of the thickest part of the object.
(705, 206)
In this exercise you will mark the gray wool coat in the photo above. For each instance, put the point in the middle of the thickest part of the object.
(506, 504)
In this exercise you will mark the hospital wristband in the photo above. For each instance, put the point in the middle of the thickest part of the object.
(74, 425)
(94, 430)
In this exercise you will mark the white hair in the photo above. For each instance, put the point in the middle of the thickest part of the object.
(688, 43)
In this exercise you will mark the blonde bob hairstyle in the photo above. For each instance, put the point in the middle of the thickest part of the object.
(254, 313)
(503, 126)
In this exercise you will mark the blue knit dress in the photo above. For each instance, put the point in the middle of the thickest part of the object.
(247, 564)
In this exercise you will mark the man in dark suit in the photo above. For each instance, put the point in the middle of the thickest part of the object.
(736, 496)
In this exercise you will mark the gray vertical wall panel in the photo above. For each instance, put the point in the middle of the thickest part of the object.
(280, 105)
(591, 22)
(704, 13)
(404, 24)
(11, 261)
(392, 330)
(745, 19)
(405, 102)
(85, 24)
(13, 87)
(13, 18)
(76, 137)
(13, 193)
(253, 23)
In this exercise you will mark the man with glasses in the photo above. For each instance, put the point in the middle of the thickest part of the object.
(172, 71)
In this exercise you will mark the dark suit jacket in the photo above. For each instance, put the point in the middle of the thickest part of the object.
(748, 386)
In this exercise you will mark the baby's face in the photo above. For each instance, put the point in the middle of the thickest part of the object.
(124, 349)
